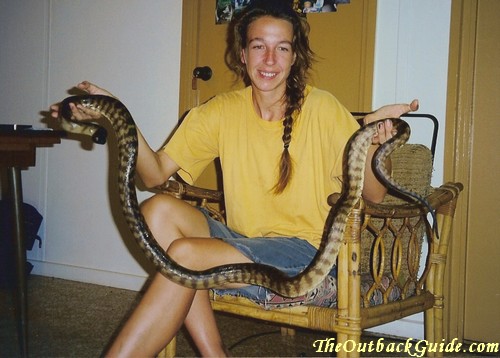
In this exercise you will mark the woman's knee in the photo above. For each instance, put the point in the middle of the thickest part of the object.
(196, 253)
(183, 251)
(167, 215)
(204, 253)
(159, 205)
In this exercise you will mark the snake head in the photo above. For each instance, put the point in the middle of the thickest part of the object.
(65, 110)
(96, 132)
(100, 135)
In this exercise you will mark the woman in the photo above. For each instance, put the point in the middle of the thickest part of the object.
(280, 142)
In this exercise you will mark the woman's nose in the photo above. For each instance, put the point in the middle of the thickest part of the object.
(270, 56)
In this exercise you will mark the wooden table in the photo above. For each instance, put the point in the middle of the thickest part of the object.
(18, 151)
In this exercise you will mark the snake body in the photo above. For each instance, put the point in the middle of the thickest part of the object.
(256, 274)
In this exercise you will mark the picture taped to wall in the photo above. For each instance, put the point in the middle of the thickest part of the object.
(226, 9)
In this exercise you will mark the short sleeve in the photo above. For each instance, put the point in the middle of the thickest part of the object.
(195, 142)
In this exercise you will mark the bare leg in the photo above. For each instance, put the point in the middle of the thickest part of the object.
(166, 305)
(155, 321)
(170, 219)
(201, 325)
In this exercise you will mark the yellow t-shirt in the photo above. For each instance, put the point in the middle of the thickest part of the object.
(249, 148)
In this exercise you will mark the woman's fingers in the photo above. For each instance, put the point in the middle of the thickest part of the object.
(79, 112)
(385, 131)
(93, 89)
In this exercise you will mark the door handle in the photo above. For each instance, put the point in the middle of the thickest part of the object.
(203, 73)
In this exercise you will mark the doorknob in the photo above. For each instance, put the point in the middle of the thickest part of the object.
(203, 73)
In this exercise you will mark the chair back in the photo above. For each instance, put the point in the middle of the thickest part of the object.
(391, 248)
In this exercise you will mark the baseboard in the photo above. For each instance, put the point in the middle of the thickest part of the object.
(89, 275)
(408, 327)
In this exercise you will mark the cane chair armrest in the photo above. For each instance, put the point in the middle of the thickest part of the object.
(183, 190)
(211, 200)
(436, 199)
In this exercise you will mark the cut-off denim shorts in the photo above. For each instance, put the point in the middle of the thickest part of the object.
(290, 255)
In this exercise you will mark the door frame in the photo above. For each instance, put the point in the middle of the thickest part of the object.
(189, 53)
(458, 134)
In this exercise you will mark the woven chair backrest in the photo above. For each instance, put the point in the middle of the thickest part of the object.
(411, 168)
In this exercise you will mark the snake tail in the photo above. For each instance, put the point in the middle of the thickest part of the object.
(379, 159)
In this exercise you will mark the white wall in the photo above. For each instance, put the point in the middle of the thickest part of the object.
(411, 61)
(132, 48)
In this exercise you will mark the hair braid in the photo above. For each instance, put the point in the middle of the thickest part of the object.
(294, 99)
(285, 167)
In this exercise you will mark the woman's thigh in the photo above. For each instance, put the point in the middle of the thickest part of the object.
(290, 255)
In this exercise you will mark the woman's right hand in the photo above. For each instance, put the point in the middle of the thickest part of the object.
(79, 112)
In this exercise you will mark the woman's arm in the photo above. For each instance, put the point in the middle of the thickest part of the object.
(154, 168)
(373, 189)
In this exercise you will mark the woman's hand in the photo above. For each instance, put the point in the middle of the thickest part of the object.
(79, 112)
(373, 189)
(385, 129)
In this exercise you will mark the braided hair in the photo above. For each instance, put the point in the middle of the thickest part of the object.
(296, 81)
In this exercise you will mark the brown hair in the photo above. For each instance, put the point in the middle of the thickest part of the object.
(296, 81)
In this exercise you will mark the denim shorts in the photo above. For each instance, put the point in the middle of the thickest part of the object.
(290, 255)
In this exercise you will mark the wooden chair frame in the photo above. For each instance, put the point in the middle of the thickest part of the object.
(350, 316)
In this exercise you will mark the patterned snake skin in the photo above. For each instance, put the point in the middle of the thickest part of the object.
(256, 274)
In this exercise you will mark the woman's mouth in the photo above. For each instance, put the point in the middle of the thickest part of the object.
(268, 74)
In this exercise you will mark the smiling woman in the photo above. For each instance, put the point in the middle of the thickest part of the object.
(268, 57)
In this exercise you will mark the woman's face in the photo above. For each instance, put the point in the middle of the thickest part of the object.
(269, 55)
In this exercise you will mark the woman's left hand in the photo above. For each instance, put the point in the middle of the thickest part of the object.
(385, 128)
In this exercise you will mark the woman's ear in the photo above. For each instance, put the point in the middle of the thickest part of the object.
(243, 56)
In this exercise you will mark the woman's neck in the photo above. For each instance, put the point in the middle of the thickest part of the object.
(269, 107)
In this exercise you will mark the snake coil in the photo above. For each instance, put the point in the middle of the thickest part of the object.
(256, 274)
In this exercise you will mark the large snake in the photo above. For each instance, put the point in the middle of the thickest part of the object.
(256, 274)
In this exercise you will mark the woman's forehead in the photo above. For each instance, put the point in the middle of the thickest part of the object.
(268, 27)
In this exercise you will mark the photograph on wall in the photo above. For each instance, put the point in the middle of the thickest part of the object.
(226, 9)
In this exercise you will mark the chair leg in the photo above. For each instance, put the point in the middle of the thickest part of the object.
(430, 325)
(285, 331)
(438, 327)
(434, 332)
(169, 350)
(341, 339)
(348, 344)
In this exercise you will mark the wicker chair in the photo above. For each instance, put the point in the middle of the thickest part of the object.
(379, 277)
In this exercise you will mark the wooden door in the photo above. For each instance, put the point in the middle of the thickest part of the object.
(474, 295)
(343, 42)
